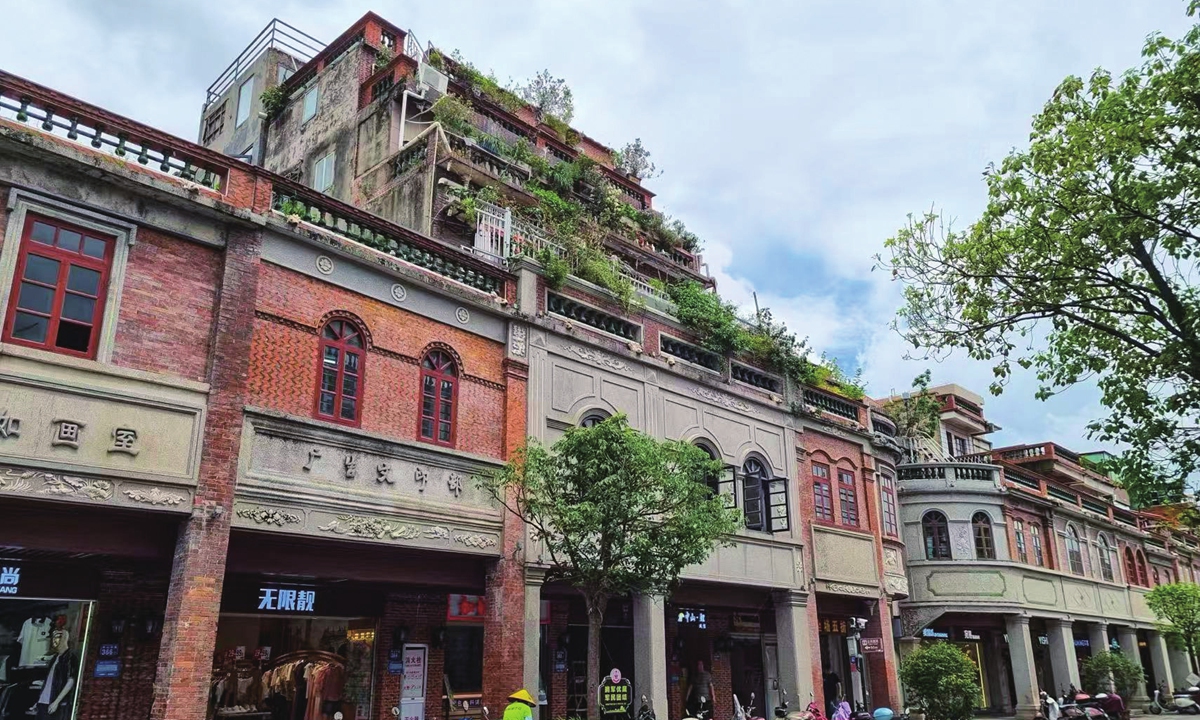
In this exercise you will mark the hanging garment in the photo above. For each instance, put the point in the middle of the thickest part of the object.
(35, 642)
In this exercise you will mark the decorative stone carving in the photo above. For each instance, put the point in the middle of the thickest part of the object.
(891, 558)
(896, 585)
(722, 399)
(964, 544)
(373, 528)
(399, 294)
(455, 483)
(597, 358)
(478, 542)
(65, 485)
(154, 496)
(383, 474)
(313, 454)
(437, 532)
(123, 441)
(914, 620)
(268, 516)
(848, 589)
(67, 432)
(421, 478)
(462, 315)
(517, 341)
(350, 466)
(324, 264)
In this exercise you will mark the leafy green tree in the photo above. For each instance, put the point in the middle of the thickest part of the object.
(1177, 607)
(1083, 264)
(1126, 676)
(918, 414)
(941, 680)
(617, 512)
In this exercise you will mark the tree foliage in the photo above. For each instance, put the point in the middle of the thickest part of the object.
(1083, 264)
(616, 512)
(917, 414)
(942, 681)
(551, 96)
(1126, 676)
(634, 159)
(1177, 607)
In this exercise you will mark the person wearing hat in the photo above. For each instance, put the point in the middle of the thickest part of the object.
(521, 706)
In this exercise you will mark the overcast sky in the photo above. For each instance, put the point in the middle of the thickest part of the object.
(794, 136)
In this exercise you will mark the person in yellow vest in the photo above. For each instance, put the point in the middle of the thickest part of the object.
(521, 706)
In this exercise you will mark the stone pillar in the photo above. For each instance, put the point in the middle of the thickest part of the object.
(1129, 647)
(1160, 661)
(1062, 653)
(1098, 643)
(534, 579)
(650, 653)
(189, 636)
(794, 636)
(1020, 649)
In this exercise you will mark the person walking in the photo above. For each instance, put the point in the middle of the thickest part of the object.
(521, 707)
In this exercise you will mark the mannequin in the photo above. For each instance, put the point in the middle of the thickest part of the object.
(54, 703)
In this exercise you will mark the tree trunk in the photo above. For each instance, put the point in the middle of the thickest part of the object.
(1191, 651)
(596, 605)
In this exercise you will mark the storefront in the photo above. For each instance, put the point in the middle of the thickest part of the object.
(972, 641)
(45, 626)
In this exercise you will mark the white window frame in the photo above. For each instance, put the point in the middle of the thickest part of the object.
(244, 101)
(282, 73)
(305, 114)
(23, 202)
(329, 161)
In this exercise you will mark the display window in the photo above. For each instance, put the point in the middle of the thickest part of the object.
(42, 643)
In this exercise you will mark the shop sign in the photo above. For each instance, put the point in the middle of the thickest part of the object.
(110, 650)
(615, 694)
(870, 645)
(939, 634)
(395, 662)
(835, 626)
(560, 661)
(412, 686)
(692, 616)
(466, 607)
(107, 669)
(1043, 640)
(1083, 642)
(10, 579)
(746, 622)
(280, 599)
(970, 635)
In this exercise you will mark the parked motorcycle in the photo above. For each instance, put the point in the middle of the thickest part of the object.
(1188, 701)
(1081, 706)
(703, 711)
(745, 712)
(1162, 701)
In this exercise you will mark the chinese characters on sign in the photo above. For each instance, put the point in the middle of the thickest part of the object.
(9, 426)
(834, 626)
(870, 645)
(287, 600)
(67, 432)
(615, 694)
(455, 484)
(313, 454)
(123, 440)
(10, 580)
(692, 616)
(350, 464)
(383, 474)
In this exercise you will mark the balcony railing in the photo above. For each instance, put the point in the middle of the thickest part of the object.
(950, 472)
(831, 404)
(501, 235)
(276, 35)
(87, 125)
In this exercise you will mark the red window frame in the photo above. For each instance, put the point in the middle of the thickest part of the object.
(439, 368)
(891, 522)
(848, 498)
(346, 339)
(822, 493)
(66, 259)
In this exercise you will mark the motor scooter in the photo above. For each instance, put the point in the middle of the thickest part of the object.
(1162, 701)
(1081, 706)
(703, 713)
(745, 712)
(1188, 701)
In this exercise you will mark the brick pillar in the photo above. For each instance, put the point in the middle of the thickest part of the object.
(504, 626)
(885, 680)
(194, 595)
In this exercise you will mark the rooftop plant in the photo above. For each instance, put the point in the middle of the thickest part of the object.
(273, 100)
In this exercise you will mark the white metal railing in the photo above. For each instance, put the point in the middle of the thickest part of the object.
(499, 234)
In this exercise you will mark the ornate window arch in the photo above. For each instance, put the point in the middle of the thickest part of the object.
(756, 476)
(1035, 542)
(1143, 577)
(341, 364)
(985, 543)
(594, 417)
(439, 397)
(936, 531)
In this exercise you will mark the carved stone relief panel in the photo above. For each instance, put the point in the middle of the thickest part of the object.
(42, 485)
(842, 557)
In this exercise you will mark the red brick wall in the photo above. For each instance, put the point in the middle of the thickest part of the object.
(283, 370)
(126, 595)
(167, 306)
(422, 615)
(720, 667)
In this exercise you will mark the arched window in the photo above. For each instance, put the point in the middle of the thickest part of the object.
(1074, 550)
(1154, 576)
(1035, 541)
(1143, 577)
(937, 536)
(593, 418)
(1019, 538)
(985, 545)
(754, 493)
(713, 481)
(822, 494)
(1131, 573)
(848, 498)
(1106, 565)
(439, 397)
(339, 378)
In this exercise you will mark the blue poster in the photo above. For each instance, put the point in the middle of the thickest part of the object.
(107, 669)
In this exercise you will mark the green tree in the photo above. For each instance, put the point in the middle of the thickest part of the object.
(1082, 265)
(617, 512)
(1126, 676)
(918, 414)
(1177, 607)
(942, 681)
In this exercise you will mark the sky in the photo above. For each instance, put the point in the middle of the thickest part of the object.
(794, 137)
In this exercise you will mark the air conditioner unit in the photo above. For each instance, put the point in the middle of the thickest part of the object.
(430, 76)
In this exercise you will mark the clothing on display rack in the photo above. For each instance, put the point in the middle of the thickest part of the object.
(305, 685)
(35, 642)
